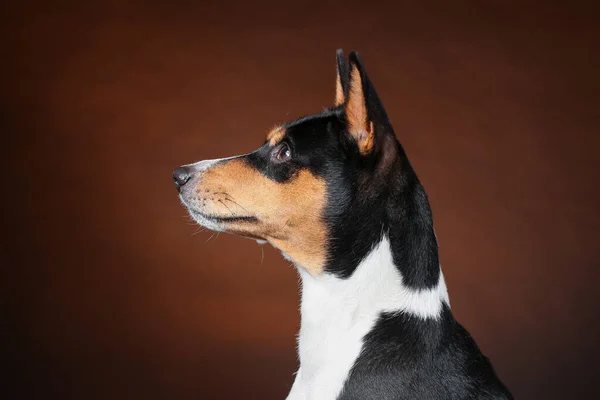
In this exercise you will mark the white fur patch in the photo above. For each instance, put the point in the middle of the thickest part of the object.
(206, 164)
(337, 313)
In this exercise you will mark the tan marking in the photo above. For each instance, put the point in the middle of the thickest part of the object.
(357, 116)
(290, 215)
(275, 135)
(339, 90)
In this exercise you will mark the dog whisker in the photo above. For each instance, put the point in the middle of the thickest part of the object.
(262, 255)
(238, 204)
(230, 198)
(199, 230)
(211, 236)
(231, 212)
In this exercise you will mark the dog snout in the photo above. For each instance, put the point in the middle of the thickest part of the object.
(181, 176)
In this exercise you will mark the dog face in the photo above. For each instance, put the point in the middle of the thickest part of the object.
(314, 182)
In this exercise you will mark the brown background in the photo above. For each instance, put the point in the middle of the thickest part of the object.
(109, 293)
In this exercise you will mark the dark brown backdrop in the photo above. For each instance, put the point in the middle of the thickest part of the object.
(108, 293)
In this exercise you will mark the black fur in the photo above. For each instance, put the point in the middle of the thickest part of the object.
(404, 357)
(342, 69)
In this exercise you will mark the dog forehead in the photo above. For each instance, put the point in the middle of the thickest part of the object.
(315, 123)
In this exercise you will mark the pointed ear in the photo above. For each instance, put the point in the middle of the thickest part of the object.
(341, 81)
(359, 124)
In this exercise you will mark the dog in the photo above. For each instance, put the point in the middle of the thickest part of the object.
(337, 195)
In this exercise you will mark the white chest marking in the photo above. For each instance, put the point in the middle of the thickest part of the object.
(337, 313)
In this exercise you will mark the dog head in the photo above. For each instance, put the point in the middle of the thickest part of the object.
(318, 188)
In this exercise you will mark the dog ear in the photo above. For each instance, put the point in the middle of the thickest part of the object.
(341, 81)
(359, 124)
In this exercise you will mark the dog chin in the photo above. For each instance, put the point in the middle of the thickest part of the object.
(204, 222)
(200, 219)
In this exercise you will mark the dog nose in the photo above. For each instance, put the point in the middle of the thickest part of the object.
(180, 176)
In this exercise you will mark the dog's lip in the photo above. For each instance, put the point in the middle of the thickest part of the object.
(234, 218)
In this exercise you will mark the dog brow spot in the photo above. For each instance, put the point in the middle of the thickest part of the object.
(275, 135)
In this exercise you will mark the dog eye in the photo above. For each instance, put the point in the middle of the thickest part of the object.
(284, 153)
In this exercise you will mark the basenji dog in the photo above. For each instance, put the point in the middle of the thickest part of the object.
(337, 195)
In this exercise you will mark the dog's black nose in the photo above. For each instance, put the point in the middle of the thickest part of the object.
(180, 176)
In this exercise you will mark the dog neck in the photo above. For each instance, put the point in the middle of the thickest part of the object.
(337, 313)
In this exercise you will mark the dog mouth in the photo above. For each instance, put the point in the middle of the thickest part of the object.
(219, 223)
(236, 218)
(222, 219)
